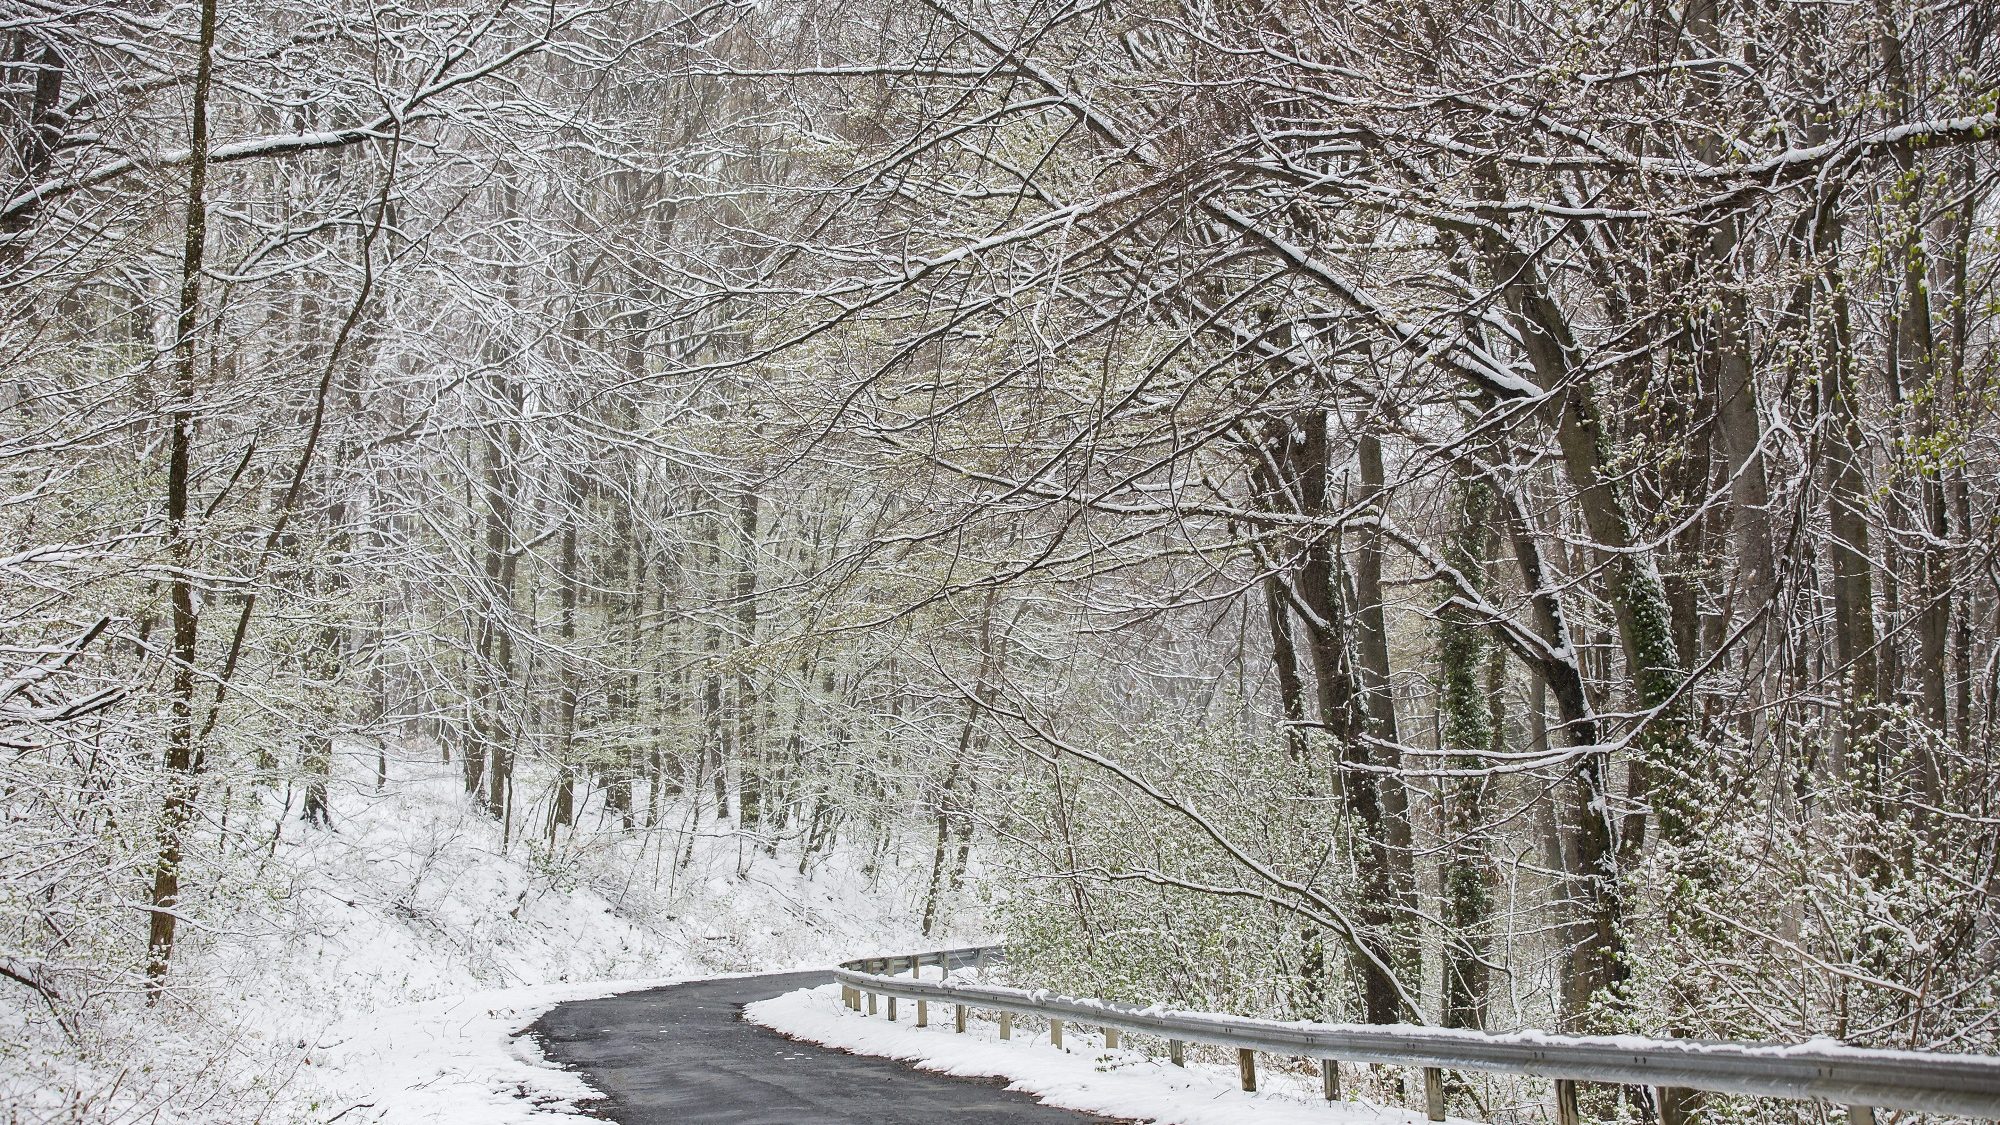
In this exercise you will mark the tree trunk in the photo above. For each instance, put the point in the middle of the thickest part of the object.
(562, 812)
(183, 758)
(750, 764)
(1467, 734)
(1594, 966)
(498, 667)
(1397, 853)
(36, 141)
(1285, 662)
(1319, 595)
(1857, 750)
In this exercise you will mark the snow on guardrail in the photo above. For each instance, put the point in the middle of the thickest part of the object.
(1862, 1078)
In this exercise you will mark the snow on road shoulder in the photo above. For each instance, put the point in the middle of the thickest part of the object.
(452, 1060)
(1084, 1076)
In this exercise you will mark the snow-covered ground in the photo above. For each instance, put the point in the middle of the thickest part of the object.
(1083, 1075)
(457, 1059)
(379, 972)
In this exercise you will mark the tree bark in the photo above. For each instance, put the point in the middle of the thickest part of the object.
(1468, 732)
(750, 765)
(1397, 852)
(1857, 752)
(562, 811)
(1341, 717)
(183, 757)
(1285, 662)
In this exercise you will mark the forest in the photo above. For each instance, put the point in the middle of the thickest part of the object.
(1462, 512)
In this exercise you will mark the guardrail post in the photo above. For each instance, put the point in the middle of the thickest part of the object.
(1329, 1079)
(871, 1003)
(1110, 1038)
(958, 1020)
(1566, 1111)
(1006, 1025)
(1055, 1034)
(1434, 1093)
(923, 1013)
(892, 1009)
(1860, 1115)
(1176, 1052)
(1246, 1069)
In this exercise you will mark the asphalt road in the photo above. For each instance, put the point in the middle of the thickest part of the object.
(683, 1055)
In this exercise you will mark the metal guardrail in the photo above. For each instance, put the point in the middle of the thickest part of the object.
(1863, 1079)
(977, 956)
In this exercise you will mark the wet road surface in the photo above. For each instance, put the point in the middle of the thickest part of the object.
(683, 1055)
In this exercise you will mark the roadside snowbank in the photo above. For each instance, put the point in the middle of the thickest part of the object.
(456, 1059)
(1082, 1076)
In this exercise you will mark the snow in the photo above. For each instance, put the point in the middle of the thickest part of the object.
(456, 1059)
(379, 973)
(1083, 1075)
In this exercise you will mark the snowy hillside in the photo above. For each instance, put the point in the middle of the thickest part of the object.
(377, 970)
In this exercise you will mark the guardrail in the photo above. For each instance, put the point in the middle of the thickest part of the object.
(1862, 1079)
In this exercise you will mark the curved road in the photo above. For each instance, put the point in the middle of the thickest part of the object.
(683, 1055)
